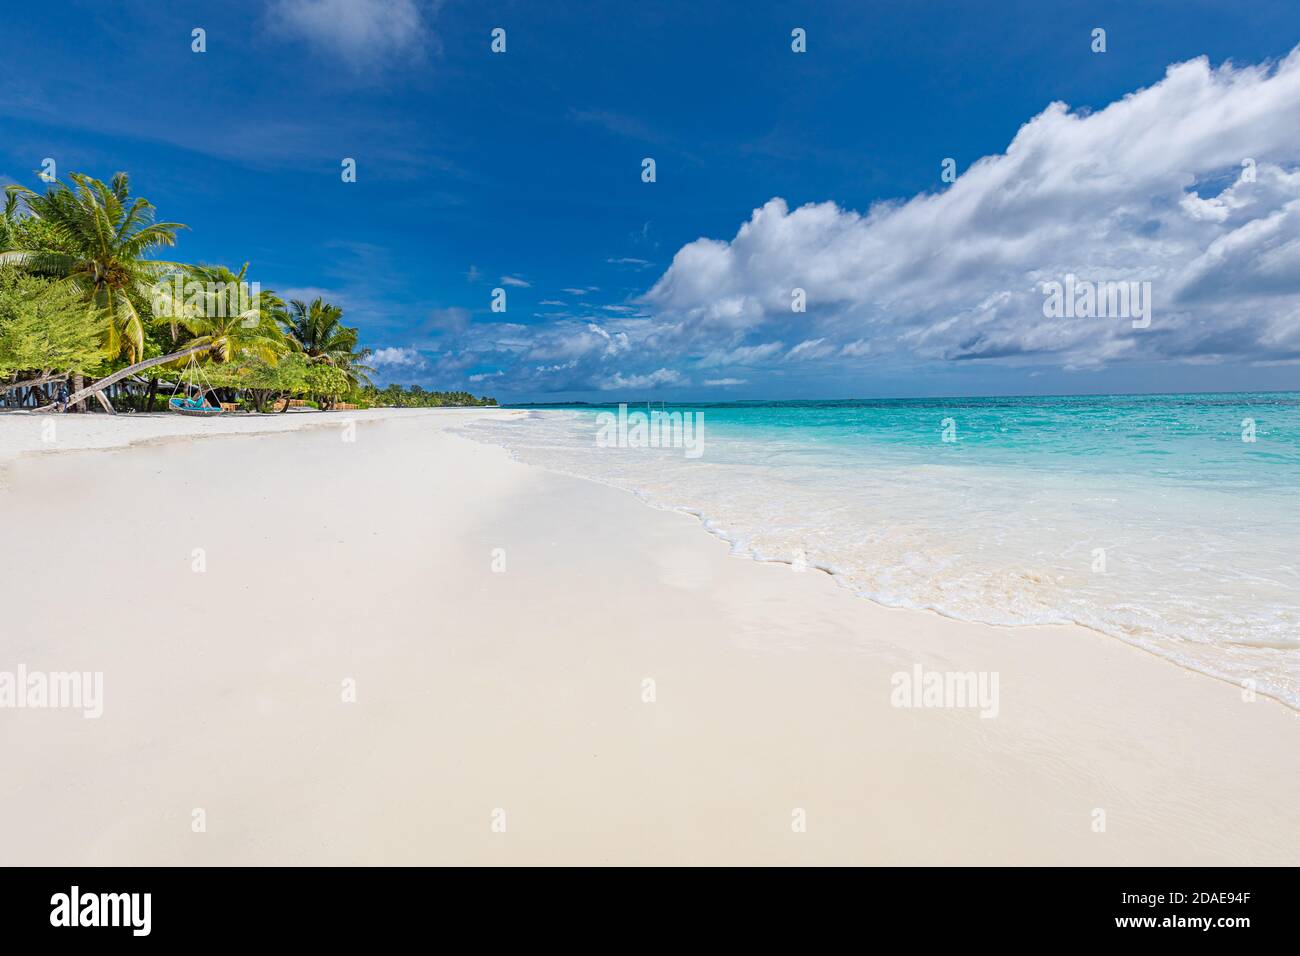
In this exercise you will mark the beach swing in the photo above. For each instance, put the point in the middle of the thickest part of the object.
(187, 404)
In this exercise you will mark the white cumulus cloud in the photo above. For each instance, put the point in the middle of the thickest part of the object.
(663, 376)
(396, 358)
(1190, 184)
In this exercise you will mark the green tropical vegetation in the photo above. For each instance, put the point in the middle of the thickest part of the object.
(397, 396)
(46, 328)
(87, 312)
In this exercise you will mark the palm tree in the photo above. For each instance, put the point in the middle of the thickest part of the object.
(103, 236)
(9, 220)
(240, 324)
(317, 330)
(213, 329)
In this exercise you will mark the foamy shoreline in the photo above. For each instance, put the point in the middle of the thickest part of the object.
(499, 624)
(952, 541)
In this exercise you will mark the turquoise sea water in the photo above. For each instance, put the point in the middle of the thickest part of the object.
(1146, 517)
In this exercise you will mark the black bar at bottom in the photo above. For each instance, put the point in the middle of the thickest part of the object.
(338, 905)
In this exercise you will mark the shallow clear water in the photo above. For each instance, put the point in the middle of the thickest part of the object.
(1146, 517)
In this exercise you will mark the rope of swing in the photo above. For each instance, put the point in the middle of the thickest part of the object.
(195, 371)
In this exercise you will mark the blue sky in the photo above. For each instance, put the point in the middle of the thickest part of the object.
(522, 171)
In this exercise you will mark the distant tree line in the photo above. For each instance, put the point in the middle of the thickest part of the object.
(414, 396)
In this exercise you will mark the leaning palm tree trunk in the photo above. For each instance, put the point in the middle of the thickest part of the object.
(108, 380)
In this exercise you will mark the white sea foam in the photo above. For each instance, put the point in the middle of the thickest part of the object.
(1187, 573)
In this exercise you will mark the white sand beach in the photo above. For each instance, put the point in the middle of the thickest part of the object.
(239, 581)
